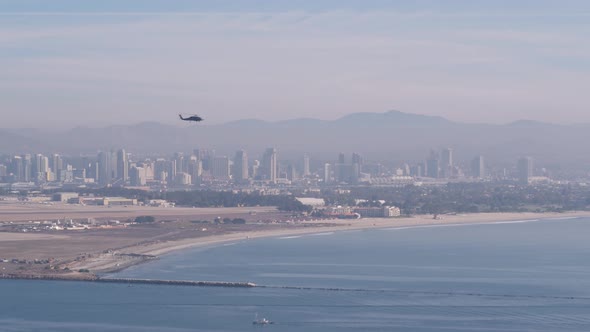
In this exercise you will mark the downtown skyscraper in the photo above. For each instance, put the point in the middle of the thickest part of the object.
(240, 167)
(122, 167)
(269, 167)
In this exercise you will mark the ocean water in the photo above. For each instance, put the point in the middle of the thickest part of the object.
(505, 276)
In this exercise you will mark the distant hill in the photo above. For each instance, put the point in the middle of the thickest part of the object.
(392, 119)
(392, 135)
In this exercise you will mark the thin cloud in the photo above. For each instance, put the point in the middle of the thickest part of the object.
(285, 65)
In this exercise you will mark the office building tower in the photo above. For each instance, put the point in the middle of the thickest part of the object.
(206, 157)
(86, 165)
(179, 162)
(79, 174)
(36, 168)
(105, 172)
(183, 179)
(137, 176)
(27, 167)
(3, 171)
(220, 168)
(357, 165)
(357, 159)
(44, 164)
(66, 174)
(240, 168)
(306, 165)
(171, 170)
(327, 176)
(406, 169)
(433, 166)
(56, 163)
(478, 167)
(113, 159)
(291, 173)
(160, 169)
(37, 171)
(416, 171)
(17, 168)
(525, 170)
(122, 167)
(447, 157)
(44, 170)
(255, 169)
(344, 173)
(149, 167)
(195, 169)
(446, 162)
(269, 165)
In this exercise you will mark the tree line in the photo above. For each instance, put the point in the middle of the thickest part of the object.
(205, 198)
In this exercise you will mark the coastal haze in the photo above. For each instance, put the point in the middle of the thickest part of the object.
(391, 135)
(360, 165)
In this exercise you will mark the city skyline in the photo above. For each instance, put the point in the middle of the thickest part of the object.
(206, 169)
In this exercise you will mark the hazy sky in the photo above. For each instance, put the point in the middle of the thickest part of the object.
(67, 63)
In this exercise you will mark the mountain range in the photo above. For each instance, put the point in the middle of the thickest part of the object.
(391, 135)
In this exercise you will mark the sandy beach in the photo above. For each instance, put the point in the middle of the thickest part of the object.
(132, 255)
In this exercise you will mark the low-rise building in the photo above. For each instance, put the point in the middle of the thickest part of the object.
(313, 202)
(64, 197)
(114, 201)
(378, 212)
(107, 201)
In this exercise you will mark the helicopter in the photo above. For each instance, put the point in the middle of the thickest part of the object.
(194, 118)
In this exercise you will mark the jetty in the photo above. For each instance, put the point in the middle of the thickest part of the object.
(176, 282)
(135, 281)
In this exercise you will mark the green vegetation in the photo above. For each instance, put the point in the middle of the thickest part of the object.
(206, 198)
(209, 198)
(200, 221)
(236, 221)
(471, 198)
(450, 198)
(144, 219)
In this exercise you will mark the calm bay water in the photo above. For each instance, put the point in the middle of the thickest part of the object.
(518, 276)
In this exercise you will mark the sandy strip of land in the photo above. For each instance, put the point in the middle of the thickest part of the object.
(24, 212)
(29, 237)
(107, 262)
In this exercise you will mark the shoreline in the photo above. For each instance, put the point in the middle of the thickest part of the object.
(113, 262)
(102, 265)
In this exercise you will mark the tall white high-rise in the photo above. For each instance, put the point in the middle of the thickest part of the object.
(306, 165)
(122, 166)
(56, 163)
(446, 163)
(327, 176)
(255, 169)
(447, 157)
(478, 167)
(195, 169)
(525, 170)
(44, 164)
(180, 164)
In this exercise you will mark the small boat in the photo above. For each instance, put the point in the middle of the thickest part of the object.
(262, 321)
